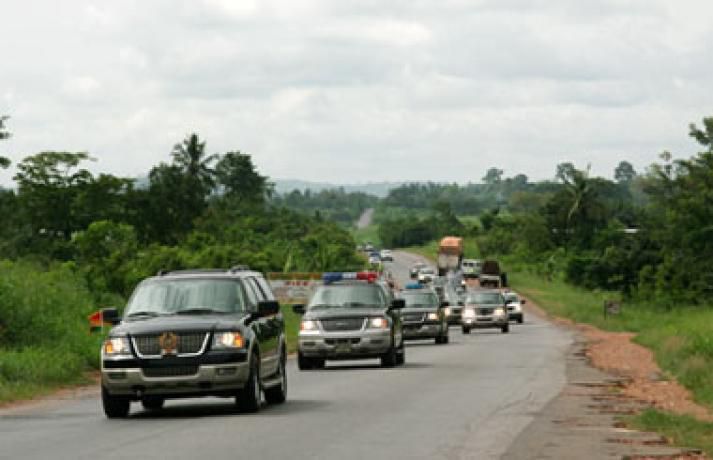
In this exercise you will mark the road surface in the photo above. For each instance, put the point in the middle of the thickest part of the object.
(365, 218)
(468, 399)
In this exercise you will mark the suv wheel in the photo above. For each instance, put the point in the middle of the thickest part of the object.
(278, 393)
(466, 330)
(153, 402)
(249, 398)
(115, 406)
(520, 320)
(505, 329)
(390, 358)
(305, 364)
(401, 354)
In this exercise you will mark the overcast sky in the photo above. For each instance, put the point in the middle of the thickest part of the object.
(357, 91)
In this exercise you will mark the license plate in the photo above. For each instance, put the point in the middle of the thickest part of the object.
(343, 348)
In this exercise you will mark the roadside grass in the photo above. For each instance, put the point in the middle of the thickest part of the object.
(292, 326)
(44, 335)
(680, 430)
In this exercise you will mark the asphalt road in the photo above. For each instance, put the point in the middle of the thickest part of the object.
(468, 399)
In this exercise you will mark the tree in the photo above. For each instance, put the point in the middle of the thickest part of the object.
(624, 172)
(241, 183)
(703, 136)
(493, 176)
(191, 158)
(4, 162)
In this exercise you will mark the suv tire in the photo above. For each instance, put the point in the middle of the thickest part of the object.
(278, 393)
(153, 402)
(248, 399)
(115, 406)
(390, 358)
(466, 330)
(505, 329)
(401, 354)
(306, 364)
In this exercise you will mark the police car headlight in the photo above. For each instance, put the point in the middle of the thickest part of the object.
(432, 317)
(500, 311)
(116, 346)
(378, 323)
(228, 339)
(308, 325)
(469, 313)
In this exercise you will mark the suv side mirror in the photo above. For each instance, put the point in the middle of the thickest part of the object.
(268, 308)
(398, 304)
(111, 316)
(299, 309)
(523, 301)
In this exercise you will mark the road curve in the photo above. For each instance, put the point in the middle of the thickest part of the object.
(468, 399)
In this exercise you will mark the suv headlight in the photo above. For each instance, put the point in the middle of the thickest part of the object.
(468, 313)
(500, 311)
(229, 339)
(432, 316)
(378, 323)
(116, 346)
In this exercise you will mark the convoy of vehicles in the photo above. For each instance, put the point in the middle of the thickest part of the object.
(351, 316)
(424, 316)
(221, 333)
(195, 333)
(485, 308)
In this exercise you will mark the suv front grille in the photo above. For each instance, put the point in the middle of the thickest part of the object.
(485, 311)
(174, 371)
(342, 324)
(190, 343)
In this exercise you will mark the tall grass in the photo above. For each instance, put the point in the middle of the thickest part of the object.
(44, 336)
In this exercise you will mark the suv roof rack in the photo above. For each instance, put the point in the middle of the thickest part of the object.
(191, 271)
(239, 268)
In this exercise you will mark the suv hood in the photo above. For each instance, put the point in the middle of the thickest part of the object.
(180, 323)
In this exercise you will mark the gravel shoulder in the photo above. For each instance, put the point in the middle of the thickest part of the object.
(608, 377)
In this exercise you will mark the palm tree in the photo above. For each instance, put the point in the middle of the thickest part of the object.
(190, 156)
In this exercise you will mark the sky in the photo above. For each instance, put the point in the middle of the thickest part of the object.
(358, 91)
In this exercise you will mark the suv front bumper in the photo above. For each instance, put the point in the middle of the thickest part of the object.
(422, 331)
(486, 321)
(345, 345)
(194, 377)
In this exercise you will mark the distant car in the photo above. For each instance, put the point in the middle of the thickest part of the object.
(424, 316)
(351, 316)
(415, 269)
(514, 305)
(485, 309)
(368, 247)
(386, 255)
(471, 268)
(374, 259)
(426, 275)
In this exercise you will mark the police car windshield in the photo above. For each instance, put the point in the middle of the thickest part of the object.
(186, 296)
(420, 299)
(485, 298)
(347, 296)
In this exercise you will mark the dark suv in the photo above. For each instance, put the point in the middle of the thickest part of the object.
(351, 316)
(195, 333)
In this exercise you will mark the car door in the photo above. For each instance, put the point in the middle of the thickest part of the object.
(268, 331)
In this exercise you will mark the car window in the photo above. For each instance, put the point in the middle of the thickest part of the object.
(420, 299)
(348, 296)
(485, 298)
(250, 292)
(265, 287)
(197, 295)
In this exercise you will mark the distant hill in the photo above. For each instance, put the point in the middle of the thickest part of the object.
(380, 189)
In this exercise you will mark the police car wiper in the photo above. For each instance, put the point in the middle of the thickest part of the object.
(143, 313)
(198, 310)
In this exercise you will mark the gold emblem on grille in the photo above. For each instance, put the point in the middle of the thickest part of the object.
(169, 343)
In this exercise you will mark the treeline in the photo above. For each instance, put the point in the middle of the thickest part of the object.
(197, 210)
(331, 204)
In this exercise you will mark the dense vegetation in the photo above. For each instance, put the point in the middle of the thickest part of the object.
(330, 204)
(72, 241)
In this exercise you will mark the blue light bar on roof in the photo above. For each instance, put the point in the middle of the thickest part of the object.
(414, 286)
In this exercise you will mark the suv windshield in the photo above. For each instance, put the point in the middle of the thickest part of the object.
(340, 296)
(511, 298)
(186, 296)
(485, 298)
(420, 299)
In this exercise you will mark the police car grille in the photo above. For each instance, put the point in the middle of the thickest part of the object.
(188, 342)
(343, 324)
(173, 371)
(412, 317)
